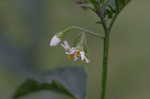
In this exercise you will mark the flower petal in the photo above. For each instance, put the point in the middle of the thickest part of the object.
(55, 41)
(65, 45)
(73, 50)
(87, 60)
(82, 55)
(75, 58)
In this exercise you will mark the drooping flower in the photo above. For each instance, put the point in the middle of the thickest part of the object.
(74, 53)
(70, 52)
(55, 40)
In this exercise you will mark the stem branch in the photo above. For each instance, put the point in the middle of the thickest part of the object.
(85, 30)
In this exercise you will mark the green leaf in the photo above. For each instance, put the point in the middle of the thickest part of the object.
(30, 86)
(120, 4)
(109, 7)
(95, 3)
(68, 80)
(87, 4)
(113, 7)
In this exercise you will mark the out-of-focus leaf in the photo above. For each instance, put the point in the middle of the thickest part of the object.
(30, 86)
(69, 80)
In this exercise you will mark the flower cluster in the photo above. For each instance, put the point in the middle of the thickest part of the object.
(73, 53)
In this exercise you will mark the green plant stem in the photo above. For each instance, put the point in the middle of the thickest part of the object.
(105, 60)
(107, 30)
(105, 66)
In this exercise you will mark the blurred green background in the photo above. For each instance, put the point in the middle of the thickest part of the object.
(27, 25)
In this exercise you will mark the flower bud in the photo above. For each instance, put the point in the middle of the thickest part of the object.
(55, 40)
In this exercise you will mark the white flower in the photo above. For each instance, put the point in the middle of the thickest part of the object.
(55, 40)
(70, 52)
(74, 53)
(83, 57)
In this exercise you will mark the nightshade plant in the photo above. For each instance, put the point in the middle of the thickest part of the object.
(59, 79)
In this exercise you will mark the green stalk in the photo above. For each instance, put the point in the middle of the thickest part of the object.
(105, 62)
(105, 66)
(107, 30)
(84, 30)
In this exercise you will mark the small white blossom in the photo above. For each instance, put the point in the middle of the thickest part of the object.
(83, 57)
(55, 40)
(74, 53)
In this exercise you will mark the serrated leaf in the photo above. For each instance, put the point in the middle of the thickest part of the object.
(69, 80)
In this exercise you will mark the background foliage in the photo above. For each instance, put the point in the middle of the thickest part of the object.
(27, 25)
